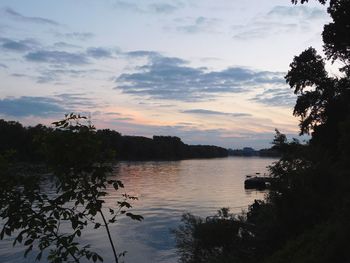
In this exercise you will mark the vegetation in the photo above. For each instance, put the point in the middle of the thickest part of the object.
(78, 169)
(250, 152)
(305, 217)
(75, 160)
(25, 141)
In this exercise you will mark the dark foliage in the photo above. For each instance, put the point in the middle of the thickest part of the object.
(305, 216)
(77, 170)
(25, 141)
(215, 239)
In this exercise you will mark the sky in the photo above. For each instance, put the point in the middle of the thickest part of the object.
(209, 72)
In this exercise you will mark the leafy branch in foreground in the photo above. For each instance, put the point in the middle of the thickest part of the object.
(79, 174)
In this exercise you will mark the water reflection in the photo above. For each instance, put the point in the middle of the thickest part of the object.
(166, 190)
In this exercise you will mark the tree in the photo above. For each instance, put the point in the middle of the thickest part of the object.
(279, 141)
(80, 172)
(305, 216)
(323, 100)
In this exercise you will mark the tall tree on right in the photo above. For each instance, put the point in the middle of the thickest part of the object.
(311, 203)
(305, 217)
(323, 99)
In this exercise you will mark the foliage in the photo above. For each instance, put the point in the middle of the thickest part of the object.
(305, 216)
(26, 142)
(321, 244)
(305, 1)
(215, 239)
(79, 171)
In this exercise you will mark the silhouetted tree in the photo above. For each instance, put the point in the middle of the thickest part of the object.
(79, 173)
(305, 216)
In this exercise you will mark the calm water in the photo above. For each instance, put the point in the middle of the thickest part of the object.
(166, 190)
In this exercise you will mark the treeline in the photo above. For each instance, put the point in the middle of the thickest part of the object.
(27, 144)
(157, 148)
(305, 217)
(249, 152)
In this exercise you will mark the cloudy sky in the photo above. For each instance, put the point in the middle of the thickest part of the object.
(210, 72)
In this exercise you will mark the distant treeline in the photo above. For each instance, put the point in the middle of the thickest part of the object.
(247, 151)
(26, 143)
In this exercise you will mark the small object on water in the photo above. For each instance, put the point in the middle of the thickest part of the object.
(256, 182)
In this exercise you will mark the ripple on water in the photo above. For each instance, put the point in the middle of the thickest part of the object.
(166, 190)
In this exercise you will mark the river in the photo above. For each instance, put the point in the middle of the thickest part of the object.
(166, 190)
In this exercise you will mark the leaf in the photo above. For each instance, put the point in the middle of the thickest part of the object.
(20, 238)
(38, 257)
(8, 231)
(121, 185)
(2, 234)
(116, 186)
(126, 204)
(122, 254)
(134, 217)
(28, 242)
(74, 223)
(97, 225)
(56, 214)
(28, 250)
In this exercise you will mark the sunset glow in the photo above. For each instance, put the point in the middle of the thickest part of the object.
(209, 74)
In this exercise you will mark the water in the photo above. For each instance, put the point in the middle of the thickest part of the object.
(166, 190)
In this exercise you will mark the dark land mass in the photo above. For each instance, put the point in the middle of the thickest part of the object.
(249, 152)
(26, 143)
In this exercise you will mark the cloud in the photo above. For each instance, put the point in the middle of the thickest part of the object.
(30, 106)
(297, 12)
(155, 8)
(59, 54)
(62, 44)
(44, 106)
(3, 65)
(163, 8)
(27, 19)
(264, 30)
(112, 113)
(57, 57)
(57, 75)
(76, 101)
(81, 36)
(211, 112)
(142, 53)
(127, 6)
(98, 52)
(18, 45)
(171, 78)
(124, 119)
(19, 75)
(197, 25)
(282, 97)
(280, 20)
